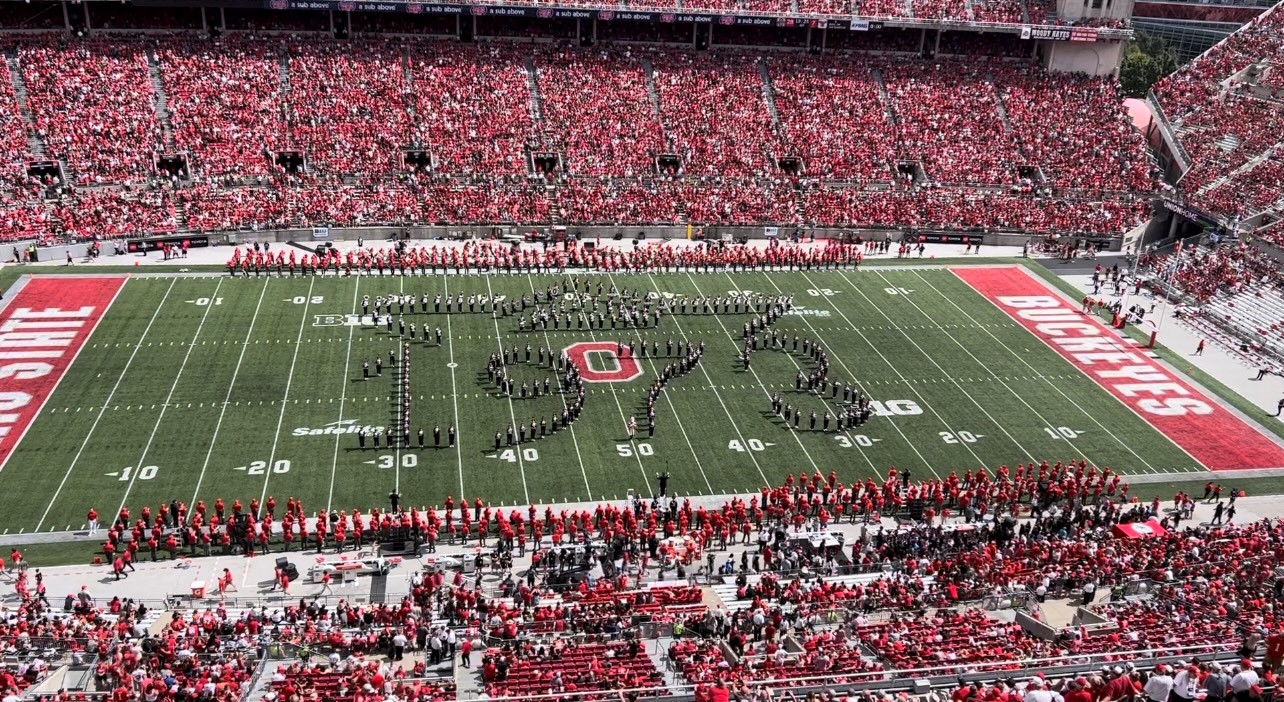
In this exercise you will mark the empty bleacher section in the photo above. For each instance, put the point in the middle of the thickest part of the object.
(1231, 293)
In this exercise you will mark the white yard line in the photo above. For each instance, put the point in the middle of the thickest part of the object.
(718, 395)
(848, 433)
(1037, 374)
(512, 413)
(909, 386)
(245, 344)
(343, 394)
(289, 381)
(562, 388)
(669, 399)
(85, 441)
(454, 398)
(142, 460)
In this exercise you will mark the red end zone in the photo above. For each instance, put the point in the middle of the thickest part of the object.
(41, 332)
(1206, 430)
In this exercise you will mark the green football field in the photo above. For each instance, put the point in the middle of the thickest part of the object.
(206, 387)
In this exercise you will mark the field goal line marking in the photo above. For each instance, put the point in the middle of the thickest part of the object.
(236, 372)
(512, 412)
(289, 382)
(669, 399)
(934, 362)
(798, 365)
(718, 395)
(574, 439)
(343, 393)
(85, 442)
(1041, 376)
(138, 466)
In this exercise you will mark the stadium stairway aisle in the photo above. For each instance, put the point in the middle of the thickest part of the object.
(468, 680)
(656, 649)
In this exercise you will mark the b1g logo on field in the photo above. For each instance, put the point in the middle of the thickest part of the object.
(599, 363)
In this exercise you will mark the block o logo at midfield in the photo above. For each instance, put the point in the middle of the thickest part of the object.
(599, 363)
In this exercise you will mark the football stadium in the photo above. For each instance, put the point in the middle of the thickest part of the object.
(582, 351)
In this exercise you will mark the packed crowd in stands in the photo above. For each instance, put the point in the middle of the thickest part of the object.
(618, 133)
(1256, 190)
(1202, 273)
(476, 101)
(963, 143)
(38, 16)
(347, 104)
(853, 143)
(1222, 123)
(714, 115)
(238, 108)
(223, 103)
(92, 105)
(1249, 120)
(890, 599)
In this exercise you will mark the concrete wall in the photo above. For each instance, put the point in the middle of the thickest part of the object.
(1097, 58)
(374, 234)
(1036, 628)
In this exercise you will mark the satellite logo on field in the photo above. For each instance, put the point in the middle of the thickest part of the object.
(279, 4)
(668, 17)
(543, 13)
(606, 15)
(478, 10)
(347, 6)
(727, 19)
(343, 426)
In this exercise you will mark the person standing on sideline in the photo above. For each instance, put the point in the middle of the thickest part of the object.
(1199, 350)
(1279, 407)
(92, 518)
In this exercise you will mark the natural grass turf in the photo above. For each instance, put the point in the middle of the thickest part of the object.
(941, 348)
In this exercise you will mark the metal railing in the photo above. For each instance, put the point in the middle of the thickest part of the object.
(905, 678)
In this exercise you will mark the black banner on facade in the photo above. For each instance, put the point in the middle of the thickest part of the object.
(154, 243)
(426, 8)
(1049, 33)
